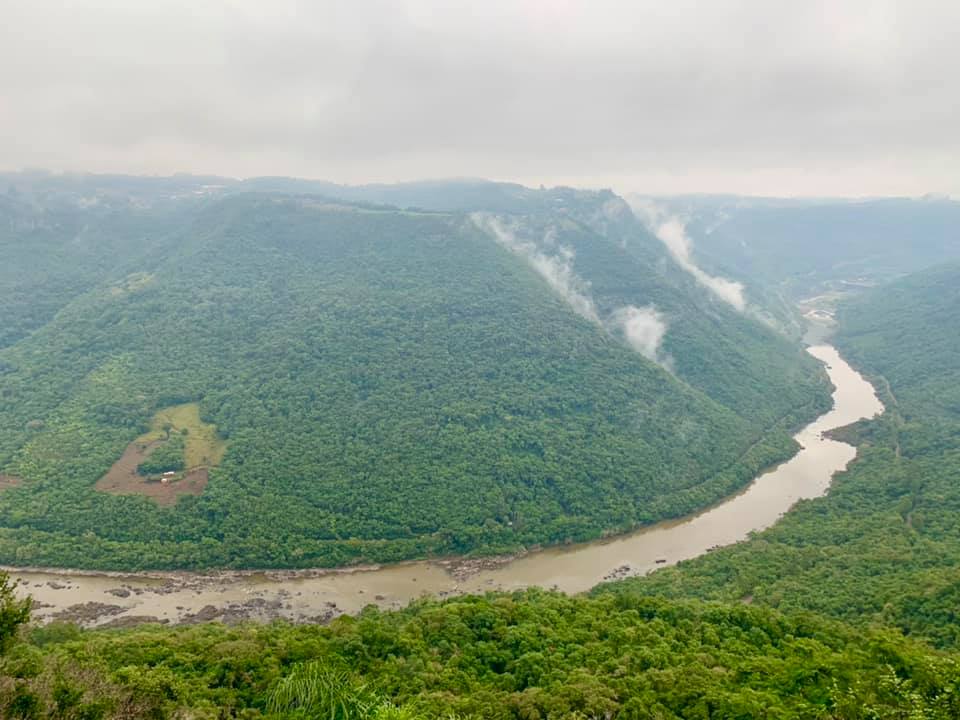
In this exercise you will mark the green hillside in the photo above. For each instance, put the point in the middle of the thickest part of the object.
(725, 353)
(883, 546)
(500, 657)
(54, 253)
(387, 383)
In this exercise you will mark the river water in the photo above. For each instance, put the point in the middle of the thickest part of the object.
(115, 598)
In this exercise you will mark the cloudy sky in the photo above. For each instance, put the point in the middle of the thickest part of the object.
(843, 97)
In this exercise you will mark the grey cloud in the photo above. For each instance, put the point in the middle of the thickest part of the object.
(739, 95)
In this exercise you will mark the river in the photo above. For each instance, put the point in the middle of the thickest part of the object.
(118, 599)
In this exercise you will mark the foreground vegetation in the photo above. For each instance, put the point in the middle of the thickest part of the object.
(526, 655)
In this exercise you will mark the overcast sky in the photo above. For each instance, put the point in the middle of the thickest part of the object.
(764, 97)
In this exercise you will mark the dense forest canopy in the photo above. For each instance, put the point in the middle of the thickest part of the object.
(389, 383)
(506, 657)
(883, 545)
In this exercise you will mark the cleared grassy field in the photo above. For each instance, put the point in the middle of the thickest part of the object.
(203, 447)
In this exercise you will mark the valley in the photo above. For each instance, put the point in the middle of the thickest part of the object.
(317, 595)
(479, 361)
(508, 455)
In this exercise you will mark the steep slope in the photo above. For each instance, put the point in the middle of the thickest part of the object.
(388, 384)
(725, 351)
(883, 544)
(908, 332)
(721, 350)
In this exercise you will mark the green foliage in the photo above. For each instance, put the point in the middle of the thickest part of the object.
(367, 367)
(35, 684)
(313, 690)
(882, 546)
(528, 655)
(370, 369)
(14, 612)
(168, 456)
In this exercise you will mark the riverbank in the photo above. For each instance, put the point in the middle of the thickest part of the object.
(110, 599)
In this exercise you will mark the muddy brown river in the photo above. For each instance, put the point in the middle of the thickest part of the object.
(93, 599)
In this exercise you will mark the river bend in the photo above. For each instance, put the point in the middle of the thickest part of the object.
(118, 599)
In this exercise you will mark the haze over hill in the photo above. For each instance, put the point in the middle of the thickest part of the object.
(802, 247)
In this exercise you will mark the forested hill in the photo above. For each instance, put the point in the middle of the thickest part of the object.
(908, 333)
(372, 383)
(882, 546)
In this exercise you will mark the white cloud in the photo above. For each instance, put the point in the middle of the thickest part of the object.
(556, 269)
(643, 329)
(673, 233)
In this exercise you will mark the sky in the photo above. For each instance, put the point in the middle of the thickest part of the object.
(846, 97)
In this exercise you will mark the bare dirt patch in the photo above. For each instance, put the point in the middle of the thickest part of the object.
(8, 481)
(123, 478)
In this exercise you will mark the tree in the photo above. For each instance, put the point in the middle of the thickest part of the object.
(14, 612)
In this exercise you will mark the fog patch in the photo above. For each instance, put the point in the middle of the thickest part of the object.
(672, 232)
(556, 268)
(642, 328)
